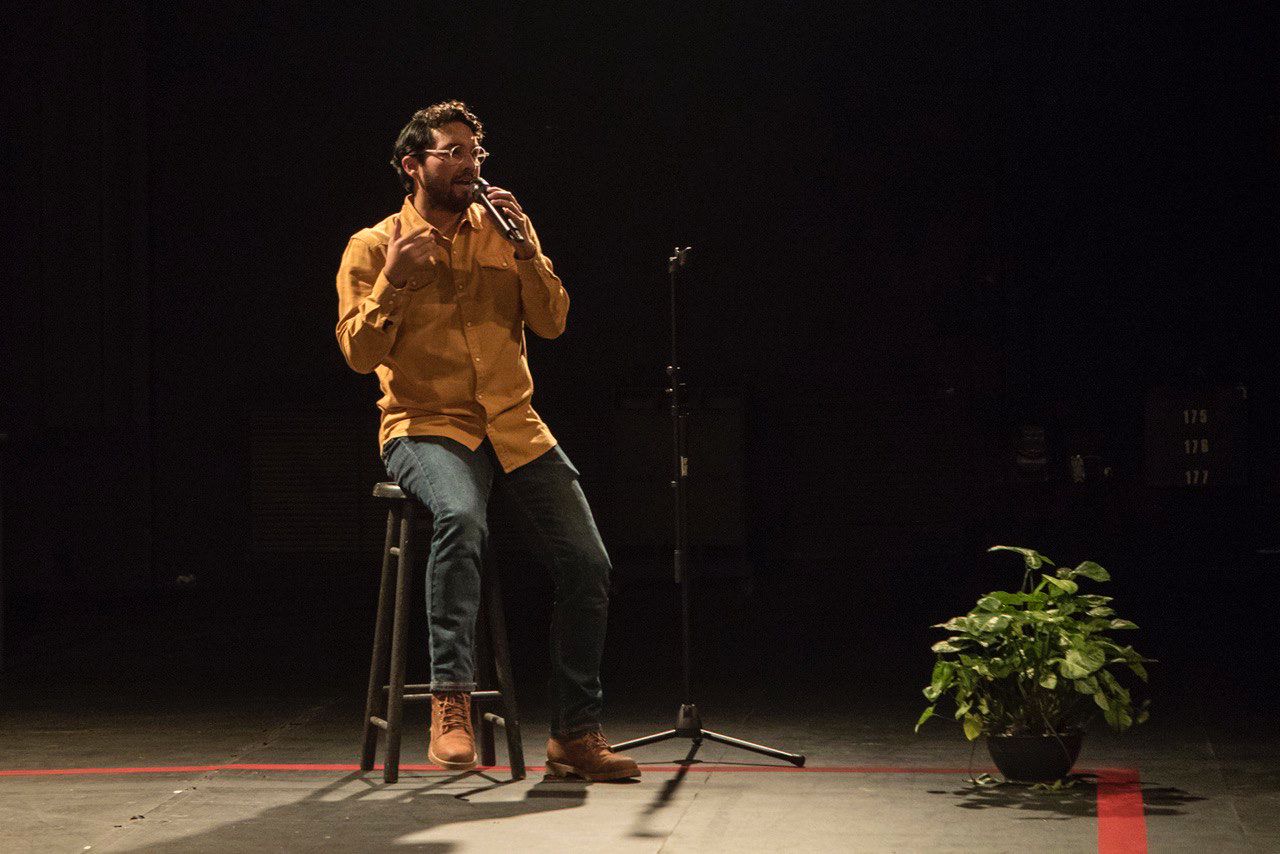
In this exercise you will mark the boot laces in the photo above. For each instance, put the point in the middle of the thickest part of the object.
(453, 712)
(597, 742)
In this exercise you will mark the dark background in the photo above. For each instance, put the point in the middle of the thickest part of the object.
(918, 230)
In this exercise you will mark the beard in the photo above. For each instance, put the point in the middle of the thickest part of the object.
(446, 195)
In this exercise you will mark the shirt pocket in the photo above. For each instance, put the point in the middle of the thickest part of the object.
(429, 315)
(499, 291)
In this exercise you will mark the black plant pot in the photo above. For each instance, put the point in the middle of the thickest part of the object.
(1035, 758)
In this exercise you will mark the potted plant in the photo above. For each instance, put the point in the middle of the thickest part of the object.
(1029, 670)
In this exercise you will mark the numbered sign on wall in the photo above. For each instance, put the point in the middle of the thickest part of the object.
(1193, 439)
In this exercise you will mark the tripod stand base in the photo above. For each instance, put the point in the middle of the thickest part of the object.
(689, 725)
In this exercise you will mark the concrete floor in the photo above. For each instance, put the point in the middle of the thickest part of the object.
(195, 700)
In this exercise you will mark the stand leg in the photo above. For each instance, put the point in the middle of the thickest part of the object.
(641, 742)
(399, 648)
(506, 682)
(796, 759)
(376, 698)
(481, 725)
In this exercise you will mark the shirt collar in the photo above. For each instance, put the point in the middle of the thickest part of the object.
(415, 220)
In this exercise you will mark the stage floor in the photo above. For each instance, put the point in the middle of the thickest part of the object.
(186, 730)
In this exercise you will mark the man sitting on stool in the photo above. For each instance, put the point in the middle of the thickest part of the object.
(435, 300)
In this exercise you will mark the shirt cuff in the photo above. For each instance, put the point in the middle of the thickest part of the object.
(537, 265)
(389, 299)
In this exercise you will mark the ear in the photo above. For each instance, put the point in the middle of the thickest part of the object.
(411, 165)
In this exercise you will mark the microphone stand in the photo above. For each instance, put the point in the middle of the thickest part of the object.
(688, 720)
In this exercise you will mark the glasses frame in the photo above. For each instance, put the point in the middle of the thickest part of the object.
(448, 152)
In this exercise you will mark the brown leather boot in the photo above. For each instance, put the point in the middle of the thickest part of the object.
(453, 744)
(588, 756)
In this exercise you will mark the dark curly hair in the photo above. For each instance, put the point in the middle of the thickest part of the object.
(416, 135)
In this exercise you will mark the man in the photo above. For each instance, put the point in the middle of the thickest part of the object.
(435, 301)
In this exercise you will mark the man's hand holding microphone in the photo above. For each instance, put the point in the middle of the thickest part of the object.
(510, 217)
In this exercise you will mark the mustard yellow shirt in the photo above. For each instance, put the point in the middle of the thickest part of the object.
(448, 347)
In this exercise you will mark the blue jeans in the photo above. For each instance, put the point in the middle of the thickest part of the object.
(455, 484)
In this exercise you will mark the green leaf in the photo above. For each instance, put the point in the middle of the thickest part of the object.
(1079, 662)
(1049, 680)
(943, 674)
(1064, 584)
(1101, 699)
(1091, 570)
(1100, 611)
(1122, 624)
(972, 727)
(990, 603)
(946, 646)
(994, 624)
(1121, 693)
(1144, 712)
(1118, 717)
(1031, 557)
(1087, 685)
(1139, 670)
(928, 713)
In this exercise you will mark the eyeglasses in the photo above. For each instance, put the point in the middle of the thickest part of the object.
(454, 153)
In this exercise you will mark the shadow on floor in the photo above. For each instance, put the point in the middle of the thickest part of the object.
(1078, 800)
(640, 829)
(378, 817)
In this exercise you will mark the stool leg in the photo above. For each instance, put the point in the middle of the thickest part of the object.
(482, 726)
(506, 683)
(376, 699)
(399, 646)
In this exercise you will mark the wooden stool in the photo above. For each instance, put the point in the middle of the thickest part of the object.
(384, 704)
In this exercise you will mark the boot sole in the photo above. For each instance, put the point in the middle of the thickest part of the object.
(561, 771)
(450, 766)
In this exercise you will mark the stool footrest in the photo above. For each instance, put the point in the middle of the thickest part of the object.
(395, 550)
(421, 692)
(378, 722)
(495, 719)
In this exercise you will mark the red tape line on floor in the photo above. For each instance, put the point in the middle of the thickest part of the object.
(1122, 828)
(263, 766)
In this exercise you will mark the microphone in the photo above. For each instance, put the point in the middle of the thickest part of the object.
(479, 188)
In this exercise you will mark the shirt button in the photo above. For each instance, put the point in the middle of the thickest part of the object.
(477, 358)
(469, 323)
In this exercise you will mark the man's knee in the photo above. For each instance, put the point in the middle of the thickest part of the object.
(589, 570)
(468, 526)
